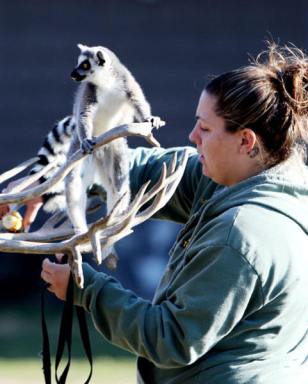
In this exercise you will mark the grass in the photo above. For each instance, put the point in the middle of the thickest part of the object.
(20, 332)
(106, 370)
(21, 341)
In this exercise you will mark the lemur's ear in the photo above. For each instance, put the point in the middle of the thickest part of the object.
(100, 58)
(81, 47)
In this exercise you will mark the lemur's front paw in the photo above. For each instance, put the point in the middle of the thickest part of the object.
(87, 146)
(156, 121)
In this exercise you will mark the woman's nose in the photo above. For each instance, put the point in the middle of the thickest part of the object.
(193, 136)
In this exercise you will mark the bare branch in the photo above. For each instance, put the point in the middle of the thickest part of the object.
(133, 129)
(18, 169)
(21, 184)
(105, 231)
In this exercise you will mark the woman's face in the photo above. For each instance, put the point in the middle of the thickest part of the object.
(217, 147)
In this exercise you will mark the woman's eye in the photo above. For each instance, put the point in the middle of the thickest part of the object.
(200, 125)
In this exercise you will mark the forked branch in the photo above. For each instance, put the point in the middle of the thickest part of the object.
(133, 129)
(105, 231)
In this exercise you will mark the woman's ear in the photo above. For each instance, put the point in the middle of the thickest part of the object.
(248, 140)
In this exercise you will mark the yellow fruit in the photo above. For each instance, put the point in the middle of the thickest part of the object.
(12, 221)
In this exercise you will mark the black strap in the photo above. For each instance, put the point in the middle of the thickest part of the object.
(84, 333)
(45, 354)
(65, 336)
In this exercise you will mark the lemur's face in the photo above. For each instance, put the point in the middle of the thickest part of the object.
(90, 61)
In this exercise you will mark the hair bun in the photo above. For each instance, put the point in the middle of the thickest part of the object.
(291, 75)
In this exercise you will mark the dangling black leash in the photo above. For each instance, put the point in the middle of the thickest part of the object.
(65, 336)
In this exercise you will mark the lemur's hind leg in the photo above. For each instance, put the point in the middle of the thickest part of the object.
(113, 171)
(76, 192)
(119, 175)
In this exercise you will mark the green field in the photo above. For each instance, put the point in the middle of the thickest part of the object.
(28, 371)
(21, 341)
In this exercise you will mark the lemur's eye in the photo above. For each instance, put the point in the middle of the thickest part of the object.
(85, 65)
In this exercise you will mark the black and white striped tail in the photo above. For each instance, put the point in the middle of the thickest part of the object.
(54, 150)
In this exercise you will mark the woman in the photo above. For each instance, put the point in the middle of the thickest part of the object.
(232, 305)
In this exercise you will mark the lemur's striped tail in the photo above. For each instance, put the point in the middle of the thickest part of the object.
(54, 150)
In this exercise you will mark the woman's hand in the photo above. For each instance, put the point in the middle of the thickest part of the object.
(4, 209)
(57, 276)
(32, 206)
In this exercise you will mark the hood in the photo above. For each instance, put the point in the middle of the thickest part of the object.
(283, 188)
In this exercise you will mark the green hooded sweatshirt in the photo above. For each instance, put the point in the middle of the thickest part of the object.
(232, 304)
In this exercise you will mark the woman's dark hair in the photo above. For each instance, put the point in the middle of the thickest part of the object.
(269, 96)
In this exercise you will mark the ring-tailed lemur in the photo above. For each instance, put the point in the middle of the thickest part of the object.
(108, 96)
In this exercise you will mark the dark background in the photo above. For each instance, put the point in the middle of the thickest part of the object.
(171, 46)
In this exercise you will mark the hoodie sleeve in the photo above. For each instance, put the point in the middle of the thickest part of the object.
(146, 164)
(207, 299)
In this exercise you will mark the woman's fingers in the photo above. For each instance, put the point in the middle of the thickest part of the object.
(33, 206)
(57, 275)
(4, 209)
